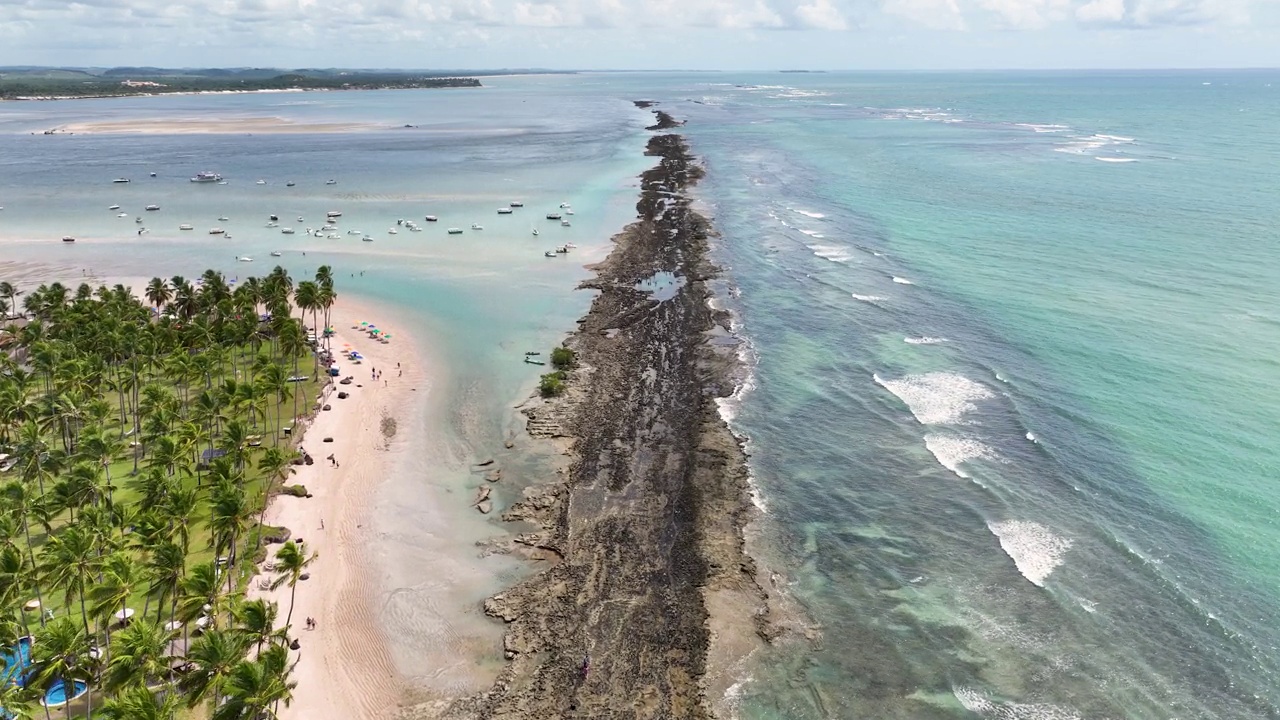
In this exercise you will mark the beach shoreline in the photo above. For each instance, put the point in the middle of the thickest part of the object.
(645, 527)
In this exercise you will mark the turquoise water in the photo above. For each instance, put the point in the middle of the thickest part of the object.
(57, 693)
(16, 660)
(1013, 340)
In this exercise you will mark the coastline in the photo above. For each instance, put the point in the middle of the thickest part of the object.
(645, 527)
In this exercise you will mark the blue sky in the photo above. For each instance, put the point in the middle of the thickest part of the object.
(644, 34)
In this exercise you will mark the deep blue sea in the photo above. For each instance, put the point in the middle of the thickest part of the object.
(1012, 339)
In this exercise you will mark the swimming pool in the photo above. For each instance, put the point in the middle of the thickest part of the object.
(57, 693)
(16, 660)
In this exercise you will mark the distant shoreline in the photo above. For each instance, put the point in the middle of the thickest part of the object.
(149, 89)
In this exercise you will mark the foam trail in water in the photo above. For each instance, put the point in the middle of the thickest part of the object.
(902, 281)
(812, 233)
(926, 340)
(1034, 549)
(807, 213)
(873, 299)
(983, 706)
(834, 253)
(1032, 437)
(937, 398)
(1116, 160)
(951, 450)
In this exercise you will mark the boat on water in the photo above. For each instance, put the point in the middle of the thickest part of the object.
(477, 226)
(553, 216)
(366, 238)
(392, 231)
(216, 231)
(153, 207)
(532, 352)
(414, 228)
(153, 174)
(290, 184)
(532, 361)
(123, 215)
(244, 258)
(273, 225)
(354, 232)
(333, 214)
(564, 223)
(535, 231)
(570, 245)
(223, 218)
(276, 253)
(286, 231)
(273, 217)
(549, 253)
(114, 207)
(68, 238)
(431, 218)
(185, 227)
(330, 181)
(564, 206)
(505, 211)
(206, 177)
(262, 182)
(121, 180)
(562, 249)
(455, 231)
(300, 219)
(517, 203)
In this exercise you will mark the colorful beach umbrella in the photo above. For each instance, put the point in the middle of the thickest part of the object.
(363, 324)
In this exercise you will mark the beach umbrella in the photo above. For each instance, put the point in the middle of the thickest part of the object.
(363, 324)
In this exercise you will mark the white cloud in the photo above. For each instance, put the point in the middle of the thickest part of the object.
(933, 14)
(821, 15)
(1101, 11)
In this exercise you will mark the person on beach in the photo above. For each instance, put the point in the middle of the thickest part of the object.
(332, 462)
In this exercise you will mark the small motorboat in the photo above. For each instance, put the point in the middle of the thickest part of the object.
(68, 238)
(332, 236)
(562, 250)
(185, 227)
(564, 223)
(244, 258)
(123, 215)
(354, 232)
(224, 218)
(120, 180)
(138, 219)
(276, 253)
(262, 182)
(286, 231)
(227, 235)
(553, 216)
(330, 181)
(455, 231)
(505, 211)
(300, 219)
(532, 361)
(152, 207)
(400, 221)
(333, 214)
(571, 246)
(431, 218)
(273, 217)
(392, 231)
(535, 231)
(568, 212)
(216, 231)
(549, 253)
(564, 206)
(517, 203)
(414, 228)
(532, 352)
(114, 207)
(153, 174)
(290, 184)
(366, 238)
(477, 226)
(273, 225)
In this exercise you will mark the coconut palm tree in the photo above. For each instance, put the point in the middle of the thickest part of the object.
(19, 703)
(255, 688)
(141, 704)
(257, 620)
(121, 573)
(139, 655)
(212, 656)
(165, 568)
(70, 561)
(158, 293)
(291, 561)
(60, 652)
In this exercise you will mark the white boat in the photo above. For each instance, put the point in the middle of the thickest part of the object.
(153, 207)
(114, 207)
(272, 225)
(564, 223)
(354, 232)
(568, 212)
(244, 258)
(477, 226)
(216, 231)
(185, 227)
(206, 177)
(553, 216)
(333, 214)
(262, 182)
(431, 218)
(517, 203)
(455, 231)
(535, 231)
(224, 218)
(287, 231)
(123, 215)
(300, 218)
(564, 206)
(505, 211)
(549, 253)
(331, 181)
(68, 238)
(392, 231)
(290, 184)
(120, 180)
(138, 219)
(570, 245)
(332, 236)
(366, 238)
(276, 253)
(414, 228)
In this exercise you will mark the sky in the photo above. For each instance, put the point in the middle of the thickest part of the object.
(644, 34)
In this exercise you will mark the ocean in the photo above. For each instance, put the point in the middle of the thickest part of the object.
(1010, 340)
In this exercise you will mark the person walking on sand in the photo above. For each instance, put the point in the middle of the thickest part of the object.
(332, 461)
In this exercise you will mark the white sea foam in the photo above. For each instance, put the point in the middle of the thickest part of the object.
(1034, 549)
(926, 340)
(873, 299)
(812, 233)
(807, 213)
(1082, 145)
(1032, 437)
(1116, 160)
(952, 450)
(937, 398)
(902, 281)
(983, 706)
(834, 253)
(1044, 127)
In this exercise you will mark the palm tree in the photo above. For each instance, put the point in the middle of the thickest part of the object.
(229, 513)
(121, 573)
(256, 687)
(139, 654)
(19, 703)
(292, 560)
(273, 464)
(158, 293)
(166, 567)
(257, 620)
(212, 656)
(70, 562)
(59, 652)
(141, 704)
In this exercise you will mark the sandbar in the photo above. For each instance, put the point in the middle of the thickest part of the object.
(212, 126)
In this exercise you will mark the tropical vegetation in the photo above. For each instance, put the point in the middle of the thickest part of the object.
(140, 438)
